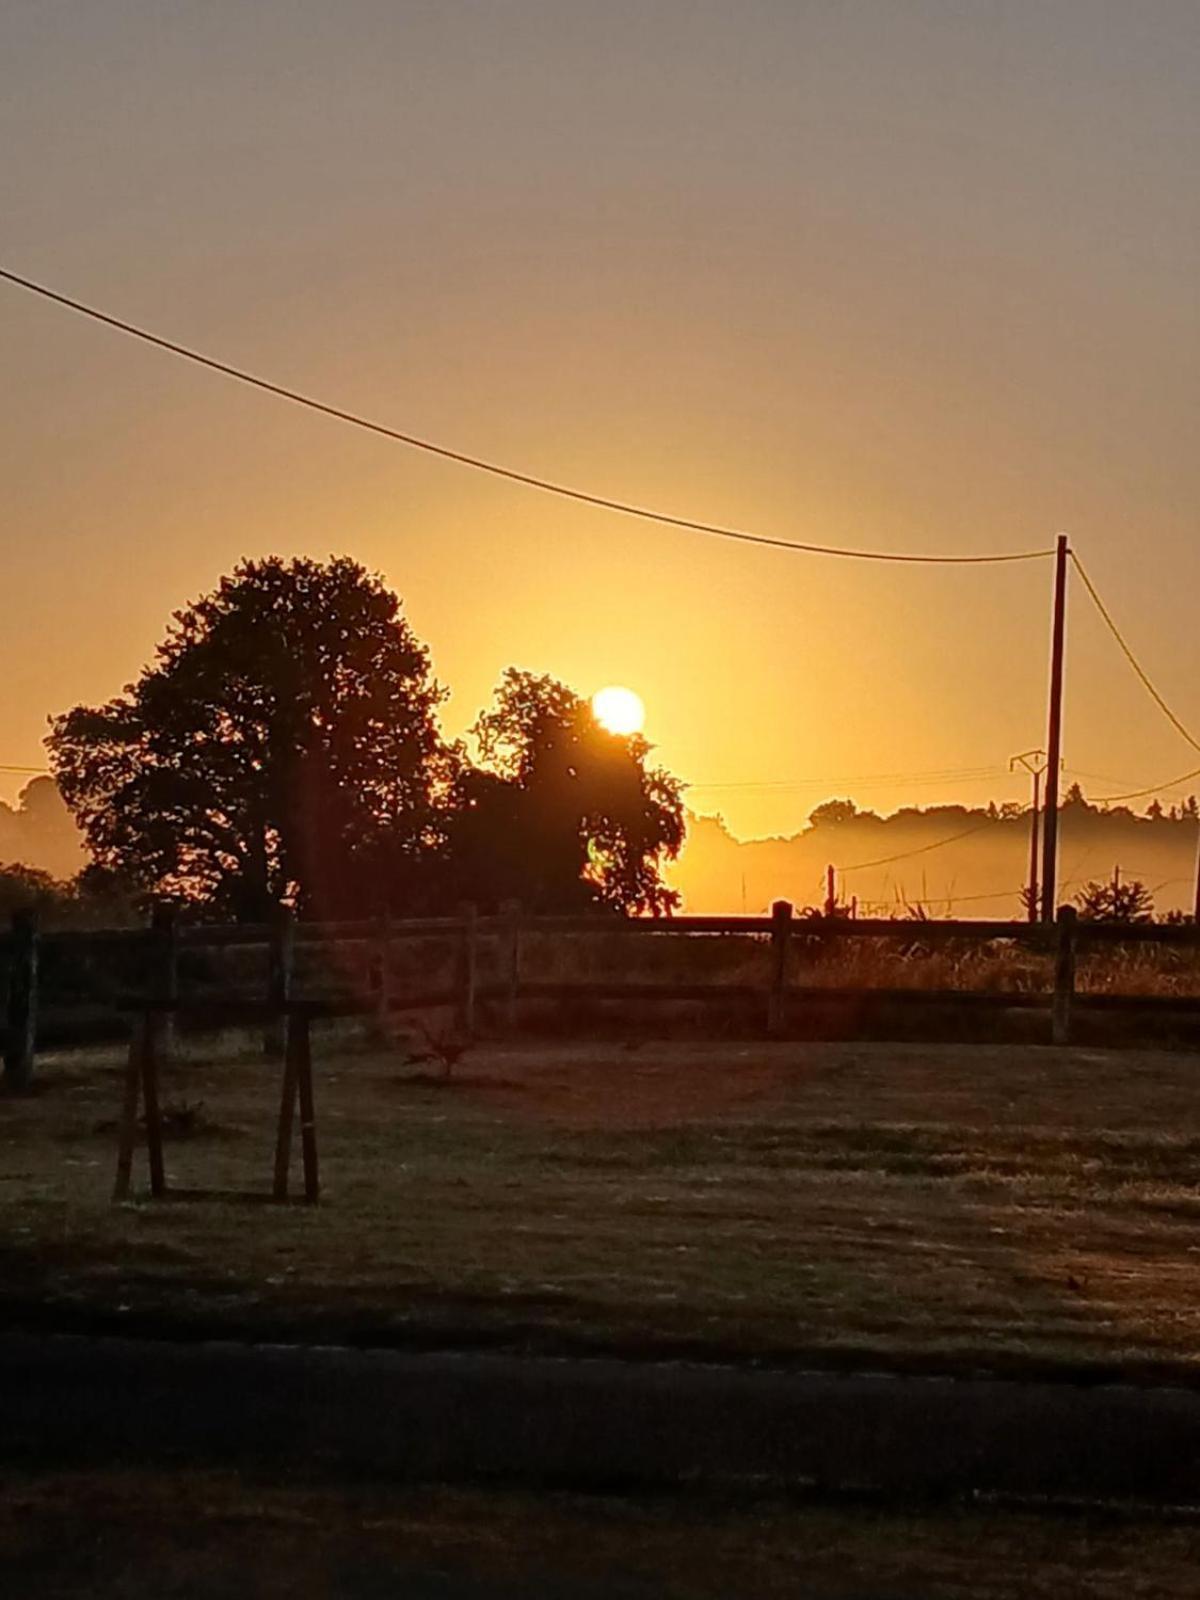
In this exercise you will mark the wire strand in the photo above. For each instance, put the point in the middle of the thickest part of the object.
(921, 850)
(1155, 788)
(479, 464)
(1131, 658)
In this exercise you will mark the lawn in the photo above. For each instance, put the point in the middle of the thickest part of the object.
(134, 1536)
(931, 1205)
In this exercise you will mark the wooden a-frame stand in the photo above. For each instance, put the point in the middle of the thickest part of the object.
(146, 1049)
(297, 1085)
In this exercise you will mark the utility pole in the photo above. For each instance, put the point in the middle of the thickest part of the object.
(1196, 908)
(1054, 737)
(1034, 762)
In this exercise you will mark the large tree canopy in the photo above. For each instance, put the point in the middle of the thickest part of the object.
(569, 815)
(281, 745)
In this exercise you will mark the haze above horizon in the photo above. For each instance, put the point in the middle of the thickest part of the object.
(913, 277)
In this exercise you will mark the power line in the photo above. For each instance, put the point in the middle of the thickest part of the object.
(1155, 788)
(33, 772)
(1131, 658)
(479, 464)
(905, 855)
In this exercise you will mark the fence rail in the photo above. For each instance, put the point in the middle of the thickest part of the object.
(155, 952)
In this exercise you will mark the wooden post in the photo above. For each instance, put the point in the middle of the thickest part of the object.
(281, 959)
(1054, 737)
(287, 1108)
(308, 1116)
(153, 1036)
(781, 922)
(127, 1129)
(1064, 975)
(22, 1002)
(141, 1077)
(164, 979)
(468, 970)
(297, 1083)
(512, 910)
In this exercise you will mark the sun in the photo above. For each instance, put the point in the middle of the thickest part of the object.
(619, 710)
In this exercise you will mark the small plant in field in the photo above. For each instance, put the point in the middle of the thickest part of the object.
(183, 1119)
(447, 1048)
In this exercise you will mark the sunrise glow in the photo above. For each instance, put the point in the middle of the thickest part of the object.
(619, 710)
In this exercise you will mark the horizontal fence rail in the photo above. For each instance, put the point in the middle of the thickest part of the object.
(209, 935)
(154, 958)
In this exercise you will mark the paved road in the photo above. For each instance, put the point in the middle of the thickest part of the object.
(483, 1417)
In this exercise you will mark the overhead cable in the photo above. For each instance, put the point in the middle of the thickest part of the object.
(1155, 788)
(479, 464)
(1143, 676)
(924, 849)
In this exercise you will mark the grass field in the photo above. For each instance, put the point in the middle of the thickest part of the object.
(131, 1536)
(948, 1206)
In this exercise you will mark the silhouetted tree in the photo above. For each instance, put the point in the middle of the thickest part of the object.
(282, 745)
(1115, 901)
(565, 814)
(832, 812)
(25, 888)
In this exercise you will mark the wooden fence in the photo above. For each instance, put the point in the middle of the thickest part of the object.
(157, 953)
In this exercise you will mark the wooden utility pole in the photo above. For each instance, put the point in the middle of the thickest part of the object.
(1054, 737)
(1034, 762)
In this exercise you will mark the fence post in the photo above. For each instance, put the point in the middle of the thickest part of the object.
(154, 1035)
(512, 911)
(468, 970)
(281, 956)
(139, 1034)
(1064, 975)
(781, 923)
(22, 1002)
(287, 1105)
(164, 977)
(308, 1116)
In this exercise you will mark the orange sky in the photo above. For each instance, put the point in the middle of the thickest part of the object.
(909, 275)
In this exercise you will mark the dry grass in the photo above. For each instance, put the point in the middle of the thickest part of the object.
(134, 1536)
(942, 1204)
(907, 960)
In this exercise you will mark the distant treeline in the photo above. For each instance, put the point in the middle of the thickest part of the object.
(946, 859)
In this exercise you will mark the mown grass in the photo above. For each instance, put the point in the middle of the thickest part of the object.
(948, 1206)
(137, 1536)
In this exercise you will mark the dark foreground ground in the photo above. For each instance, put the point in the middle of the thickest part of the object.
(474, 1418)
(132, 1535)
(694, 1220)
